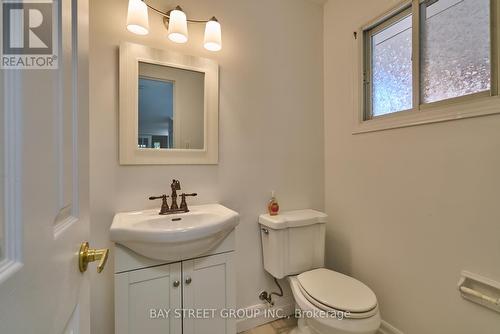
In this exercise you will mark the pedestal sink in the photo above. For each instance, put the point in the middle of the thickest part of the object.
(174, 237)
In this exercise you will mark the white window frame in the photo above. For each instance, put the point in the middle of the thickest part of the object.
(473, 105)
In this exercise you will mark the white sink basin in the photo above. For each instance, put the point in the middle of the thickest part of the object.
(174, 237)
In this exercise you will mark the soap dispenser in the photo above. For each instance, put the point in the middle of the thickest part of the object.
(273, 207)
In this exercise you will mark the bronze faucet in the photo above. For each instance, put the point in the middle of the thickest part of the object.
(174, 208)
(176, 185)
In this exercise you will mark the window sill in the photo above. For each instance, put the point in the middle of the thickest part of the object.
(441, 112)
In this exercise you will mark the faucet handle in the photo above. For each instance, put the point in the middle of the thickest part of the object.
(183, 205)
(176, 185)
(164, 204)
(152, 198)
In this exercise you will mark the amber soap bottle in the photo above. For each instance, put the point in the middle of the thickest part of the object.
(273, 207)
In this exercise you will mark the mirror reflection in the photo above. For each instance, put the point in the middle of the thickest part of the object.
(171, 107)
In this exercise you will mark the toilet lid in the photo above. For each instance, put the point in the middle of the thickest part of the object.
(337, 290)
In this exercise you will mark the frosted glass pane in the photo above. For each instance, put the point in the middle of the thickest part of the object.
(455, 47)
(391, 68)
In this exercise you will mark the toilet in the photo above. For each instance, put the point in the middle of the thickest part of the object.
(326, 302)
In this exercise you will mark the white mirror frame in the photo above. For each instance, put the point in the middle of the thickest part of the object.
(130, 153)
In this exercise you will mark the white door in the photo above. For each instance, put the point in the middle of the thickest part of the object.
(44, 198)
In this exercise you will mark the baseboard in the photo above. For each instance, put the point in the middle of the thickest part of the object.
(387, 328)
(285, 306)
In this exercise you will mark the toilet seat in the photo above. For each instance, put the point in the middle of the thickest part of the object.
(331, 291)
(331, 325)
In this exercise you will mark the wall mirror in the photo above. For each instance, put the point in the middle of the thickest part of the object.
(168, 107)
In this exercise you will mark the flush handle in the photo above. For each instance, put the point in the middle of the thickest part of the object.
(188, 280)
(87, 255)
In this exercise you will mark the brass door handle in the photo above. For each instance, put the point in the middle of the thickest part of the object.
(87, 255)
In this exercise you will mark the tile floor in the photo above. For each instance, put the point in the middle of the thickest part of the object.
(282, 326)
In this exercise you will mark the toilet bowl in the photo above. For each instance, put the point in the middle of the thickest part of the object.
(326, 302)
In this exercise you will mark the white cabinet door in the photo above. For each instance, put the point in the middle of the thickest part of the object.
(208, 284)
(140, 291)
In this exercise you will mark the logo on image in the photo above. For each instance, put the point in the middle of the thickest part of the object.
(29, 39)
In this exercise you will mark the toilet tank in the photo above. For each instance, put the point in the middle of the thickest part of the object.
(293, 241)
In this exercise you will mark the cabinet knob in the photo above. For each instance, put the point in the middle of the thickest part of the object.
(188, 280)
(176, 284)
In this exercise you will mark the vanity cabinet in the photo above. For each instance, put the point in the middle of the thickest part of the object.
(169, 298)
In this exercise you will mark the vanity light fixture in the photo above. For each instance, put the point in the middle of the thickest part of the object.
(176, 22)
(177, 27)
(212, 39)
(137, 17)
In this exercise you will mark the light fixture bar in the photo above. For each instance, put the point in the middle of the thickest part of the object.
(167, 13)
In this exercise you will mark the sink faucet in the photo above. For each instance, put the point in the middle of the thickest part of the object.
(176, 185)
(174, 208)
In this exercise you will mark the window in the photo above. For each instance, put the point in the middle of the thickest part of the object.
(391, 66)
(427, 53)
(455, 49)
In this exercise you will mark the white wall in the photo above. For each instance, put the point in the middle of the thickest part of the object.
(271, 125)
(409, 208)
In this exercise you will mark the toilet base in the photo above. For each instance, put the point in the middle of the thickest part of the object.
(296, 330)
(301, 328)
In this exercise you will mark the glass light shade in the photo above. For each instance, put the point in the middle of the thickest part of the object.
(213, 39)
(177, 27)
(137, 17)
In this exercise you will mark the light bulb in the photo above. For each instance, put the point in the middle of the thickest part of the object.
(137, 18)
(213, 39)
(177, 26)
